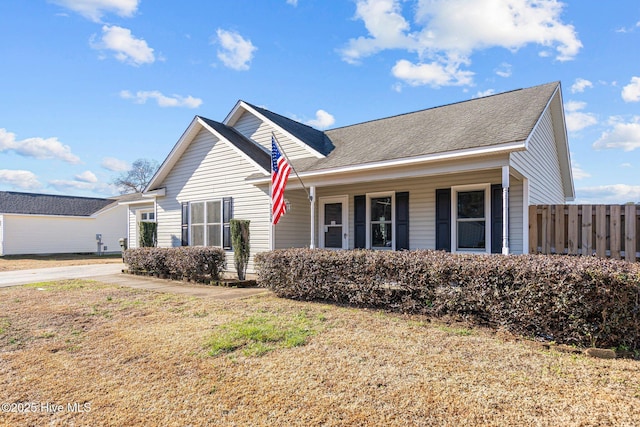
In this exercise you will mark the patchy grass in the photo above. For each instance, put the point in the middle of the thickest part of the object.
(147, 363)
(260, 334)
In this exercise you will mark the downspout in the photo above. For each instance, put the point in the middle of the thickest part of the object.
(505, 210)
(312, 196)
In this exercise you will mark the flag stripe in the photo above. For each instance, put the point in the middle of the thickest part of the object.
(280, 171)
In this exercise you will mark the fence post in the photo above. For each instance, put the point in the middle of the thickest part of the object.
(559, 229)
(614, 230)
(601, 231)
(572, 232)
(587, 230)
(533, 229)
(630, 232)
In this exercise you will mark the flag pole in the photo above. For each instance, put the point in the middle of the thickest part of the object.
(291, 164)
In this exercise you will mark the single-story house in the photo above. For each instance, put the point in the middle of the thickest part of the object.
(46, 224)
(459, 177)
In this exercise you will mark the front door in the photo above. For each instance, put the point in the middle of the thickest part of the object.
(333, 222)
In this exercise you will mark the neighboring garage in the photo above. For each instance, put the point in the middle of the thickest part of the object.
(45, 224)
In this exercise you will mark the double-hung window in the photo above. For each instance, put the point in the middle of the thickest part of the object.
(206, 223)
(471, 226)
(380, 221)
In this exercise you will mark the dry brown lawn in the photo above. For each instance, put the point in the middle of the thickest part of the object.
(127, 357)
(25, 262)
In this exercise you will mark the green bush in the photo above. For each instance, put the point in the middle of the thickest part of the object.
(197, 263)
(148, 231)
(573, 300)
(241, 246)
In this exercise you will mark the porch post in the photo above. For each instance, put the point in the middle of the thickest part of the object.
(505, 210)
(312, 197)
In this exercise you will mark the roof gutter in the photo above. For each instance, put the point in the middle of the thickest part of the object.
(460, 154)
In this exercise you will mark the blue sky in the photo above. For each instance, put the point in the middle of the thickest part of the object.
(89, 86)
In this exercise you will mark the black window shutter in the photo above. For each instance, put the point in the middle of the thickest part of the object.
(496, 219)
(360, 221)
(185, 224)
(227, 214)
(402, 221)
(443, 219)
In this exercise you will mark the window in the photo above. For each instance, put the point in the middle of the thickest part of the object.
(147, 216)
(380, 221)
(206, 223)
(471, 224)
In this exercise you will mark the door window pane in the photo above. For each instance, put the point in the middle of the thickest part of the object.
(333, 213)
(333, 238)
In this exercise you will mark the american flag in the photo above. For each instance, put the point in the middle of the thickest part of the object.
(280, 171)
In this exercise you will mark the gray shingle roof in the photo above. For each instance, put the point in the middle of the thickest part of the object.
(49, 204)
(312, 137)
(477, 123)
(249, 148)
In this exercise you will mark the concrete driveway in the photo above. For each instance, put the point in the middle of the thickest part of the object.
(23, 277)
(112, 273)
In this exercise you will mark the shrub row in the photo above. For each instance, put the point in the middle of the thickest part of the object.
(200, 264)
(572, 300)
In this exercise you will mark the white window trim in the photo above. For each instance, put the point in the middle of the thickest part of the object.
(147, 211)
(454, 216)
(205, 235)
(345, 218)
(370, 196)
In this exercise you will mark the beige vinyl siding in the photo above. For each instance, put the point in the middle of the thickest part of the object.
(253, 128)
(421, 200)
(294, 228)
(516, 227)
(211, 169)
(39, 234)
(540, 163)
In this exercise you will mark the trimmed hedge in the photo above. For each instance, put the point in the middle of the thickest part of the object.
(572, 300)
(196, 263)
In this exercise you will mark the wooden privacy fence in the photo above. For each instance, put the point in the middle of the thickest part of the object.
(594, 230)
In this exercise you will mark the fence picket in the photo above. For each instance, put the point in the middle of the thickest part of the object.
(598, 230)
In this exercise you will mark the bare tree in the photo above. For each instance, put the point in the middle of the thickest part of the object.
(136, 178)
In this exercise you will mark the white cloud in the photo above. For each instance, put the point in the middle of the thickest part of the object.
(580, 85)
(95, 9)
(609, 194)
(577, 120)
(39, 148)
(626, 165)
(87, 176)
(21, 179)
(236, 52)
(322, 121)
(433, 74)
(623, 135)
(504, 70)
(482, 94)
(449, 31)
(115, 165)
(162, 100)
(631, 92)
(578, 172)
(125, 46)
(293, 3)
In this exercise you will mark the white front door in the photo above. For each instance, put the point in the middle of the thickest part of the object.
(334, 222)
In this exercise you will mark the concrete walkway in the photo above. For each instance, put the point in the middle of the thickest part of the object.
(112, 273)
